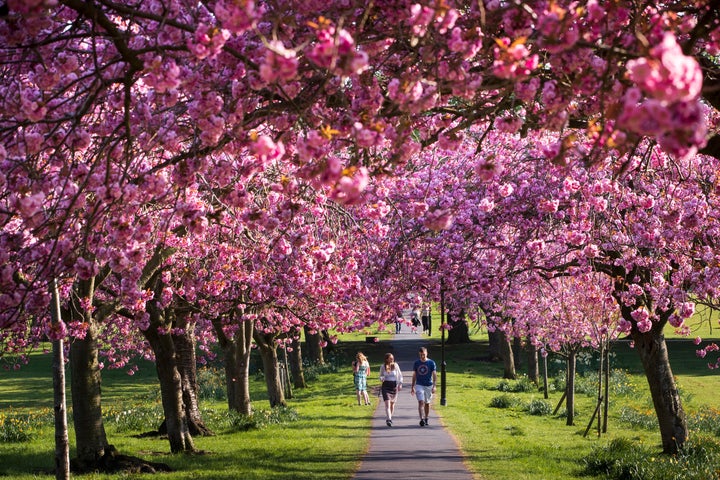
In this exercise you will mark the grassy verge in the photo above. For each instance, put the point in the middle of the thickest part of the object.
(506, 429)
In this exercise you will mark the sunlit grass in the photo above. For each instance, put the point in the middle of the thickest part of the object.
(325, 435)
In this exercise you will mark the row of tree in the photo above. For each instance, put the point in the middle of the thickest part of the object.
(229, 173)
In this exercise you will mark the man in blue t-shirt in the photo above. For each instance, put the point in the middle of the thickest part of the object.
(424, 380)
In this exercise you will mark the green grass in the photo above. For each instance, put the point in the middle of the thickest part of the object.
(514, 440)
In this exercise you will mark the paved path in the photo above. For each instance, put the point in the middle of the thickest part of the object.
(407, 451)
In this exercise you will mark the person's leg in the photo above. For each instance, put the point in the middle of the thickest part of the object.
(359, 395)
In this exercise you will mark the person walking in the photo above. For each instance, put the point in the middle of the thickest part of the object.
(425, 318)
(392, 381)
(424, 380)
(361, 370)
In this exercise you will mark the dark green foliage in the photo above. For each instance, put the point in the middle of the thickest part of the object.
(503, 401)
(523, 384)
(539, 407)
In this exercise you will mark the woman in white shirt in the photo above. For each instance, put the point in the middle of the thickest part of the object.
(392, 380)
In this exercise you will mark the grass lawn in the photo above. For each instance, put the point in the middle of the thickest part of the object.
(330, 435)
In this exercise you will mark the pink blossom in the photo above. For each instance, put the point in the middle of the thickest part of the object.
(349, 187)
(624, 326)
(56, 330)
(236, 16)
(668, 74)
(266, 150)
(438, 219)
(280, 64)
(591, 251)
(548, 205)
(30, 205)
(644, 326)
(687, 309)
(208, 41)
(486, 205)
(505, 190)
(86, 269)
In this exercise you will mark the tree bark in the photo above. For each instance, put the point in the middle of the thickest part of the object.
(533, 366)
(517, 351)
(494, 340)
(460, 332)
(62, 444)
(166, 364)
(296, 365)
(237, 365)
(570, 387)
(90, 438)
(313, 344)
(271, 368)
(506, 353)
(653, 353)
(187, 367)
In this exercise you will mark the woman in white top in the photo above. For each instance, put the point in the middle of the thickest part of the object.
(392, 380)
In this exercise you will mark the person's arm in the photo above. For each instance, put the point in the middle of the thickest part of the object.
(399, 376)
(412, 385)
(382, 373)
(434, 377)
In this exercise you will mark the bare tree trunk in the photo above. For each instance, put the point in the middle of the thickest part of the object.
(166, 364)
(271, 368)
(296, 366)
(187, 367)
(570, 386)
(494, 339)
(654, 357)
(517, 351)
(460, 331)
(237, 366)
(62, 444)
(506, 353)
(313, 342)
(90, 438)
(533, 366)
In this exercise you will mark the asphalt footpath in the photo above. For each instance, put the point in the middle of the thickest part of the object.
(407, 451)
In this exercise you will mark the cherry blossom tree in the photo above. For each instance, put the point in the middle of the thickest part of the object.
(127, 127)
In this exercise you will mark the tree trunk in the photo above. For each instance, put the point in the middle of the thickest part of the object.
(166, 364)
(187, 367)
(90, 438)
(237, 368)
(271, 368)
(570, 387)
(460, 332)
(313, 344)
(654, 357)
(62, 444)
(517, 351)
(506, 353)
(533, 366)
(494, 340)
(296, 366)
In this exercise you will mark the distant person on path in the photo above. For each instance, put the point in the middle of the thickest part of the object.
(425, 318)
(361, 370)
(424, 380)
(415, 321)
(398, 322)
(392, 380)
